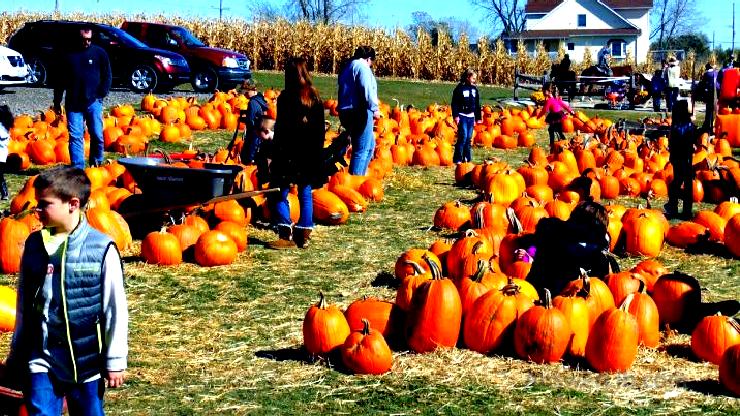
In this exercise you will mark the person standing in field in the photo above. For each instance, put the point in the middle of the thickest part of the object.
(466, 112)
(84, 80)
(71, 329)
(297, 149)
(681, 142)
(256, 109)
(358, 107)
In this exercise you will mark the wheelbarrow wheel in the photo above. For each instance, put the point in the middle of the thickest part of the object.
(136, 209)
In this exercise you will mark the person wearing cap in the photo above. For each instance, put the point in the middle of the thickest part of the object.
(674, 78)
(358, 107)
(256, 109)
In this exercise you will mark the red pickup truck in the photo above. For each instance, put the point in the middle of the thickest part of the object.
(211, 68)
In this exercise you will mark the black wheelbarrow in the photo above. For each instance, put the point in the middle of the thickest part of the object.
(167, 190)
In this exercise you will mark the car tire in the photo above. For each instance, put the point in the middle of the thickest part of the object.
(37, 73)
(205, 80)
(143, 78)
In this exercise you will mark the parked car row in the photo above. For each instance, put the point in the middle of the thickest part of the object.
(143, 56)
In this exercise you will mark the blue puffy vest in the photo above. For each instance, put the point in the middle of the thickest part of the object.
(78, 333)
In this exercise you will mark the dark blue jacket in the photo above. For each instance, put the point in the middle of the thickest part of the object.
(85, 76)
(466, 100)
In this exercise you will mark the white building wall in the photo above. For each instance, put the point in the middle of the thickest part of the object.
(641, 19)
(565, 17)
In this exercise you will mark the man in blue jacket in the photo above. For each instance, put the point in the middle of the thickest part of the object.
(84, 78)
(358, 107)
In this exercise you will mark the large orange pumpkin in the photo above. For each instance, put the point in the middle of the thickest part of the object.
(712, 336)
(612, 342)
(729, 370)
(13, 235)
(366, 352)
(8, 298)
(215, 248)
(435, 315)
(161, 247)
(324, 328)
(542, 333)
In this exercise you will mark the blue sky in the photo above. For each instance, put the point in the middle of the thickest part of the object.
(717, 14)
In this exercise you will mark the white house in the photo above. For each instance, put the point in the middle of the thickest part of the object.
(579, 24)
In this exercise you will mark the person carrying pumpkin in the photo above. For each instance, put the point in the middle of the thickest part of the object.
(681, 142)
(555, 109)
(297, 153)
(466, 112)
(6, 123)
(71, 330)
(562, 248)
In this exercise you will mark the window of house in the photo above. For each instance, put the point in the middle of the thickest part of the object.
(618, 48)
(581, 20)
(571, 46)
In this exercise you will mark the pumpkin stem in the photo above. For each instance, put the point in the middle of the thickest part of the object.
(480, 271)
(733, 322)
(322, 302)
(478, 216)
(516, 225)
(365, 327)
(547, 301)
(511, 288)
(417, 268)
(433, 268)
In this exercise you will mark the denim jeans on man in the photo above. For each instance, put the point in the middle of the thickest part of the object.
(305, 201)
(359, 123)
(93, 117)
(45, 396)
(464, 135)
(671, 97)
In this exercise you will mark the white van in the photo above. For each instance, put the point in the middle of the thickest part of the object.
(13, 69)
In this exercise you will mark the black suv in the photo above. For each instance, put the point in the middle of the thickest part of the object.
(133, 64)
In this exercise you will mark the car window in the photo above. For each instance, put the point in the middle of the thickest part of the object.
(186, 37)
(116, 35)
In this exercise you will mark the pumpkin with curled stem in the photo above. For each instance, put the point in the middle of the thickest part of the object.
(324, 328)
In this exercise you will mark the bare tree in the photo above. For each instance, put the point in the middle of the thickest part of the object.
(506, 15)
(672, 18)
(316, 11)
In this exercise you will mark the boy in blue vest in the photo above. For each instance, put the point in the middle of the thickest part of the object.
(71, 333)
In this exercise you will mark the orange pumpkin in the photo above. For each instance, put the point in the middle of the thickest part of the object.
(324, 328)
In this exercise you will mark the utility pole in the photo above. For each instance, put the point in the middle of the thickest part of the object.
(221, 9)
(56, 6)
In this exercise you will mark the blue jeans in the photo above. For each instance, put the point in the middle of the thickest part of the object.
(359, 123)
(93, 117)
(464, 134)
(305, 200)
(656, 102)
(45, 393)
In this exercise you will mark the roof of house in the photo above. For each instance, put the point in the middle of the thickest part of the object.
(561, 33)
(546, 6)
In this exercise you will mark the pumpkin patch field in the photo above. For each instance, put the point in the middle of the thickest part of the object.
(244, 337)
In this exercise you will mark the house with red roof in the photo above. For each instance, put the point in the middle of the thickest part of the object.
(624, 25)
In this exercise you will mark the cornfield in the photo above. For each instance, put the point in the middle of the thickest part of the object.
(327, 47)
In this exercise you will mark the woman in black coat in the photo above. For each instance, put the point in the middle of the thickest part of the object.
(297, 155)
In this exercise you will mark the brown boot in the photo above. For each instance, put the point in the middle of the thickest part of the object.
(301, 236)
(283, 242)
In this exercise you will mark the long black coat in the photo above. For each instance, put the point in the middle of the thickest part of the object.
(298, 143)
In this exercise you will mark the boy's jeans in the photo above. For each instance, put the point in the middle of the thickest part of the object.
(93, 117)
(45, 394)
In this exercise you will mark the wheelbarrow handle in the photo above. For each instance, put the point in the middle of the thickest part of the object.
(240, 195)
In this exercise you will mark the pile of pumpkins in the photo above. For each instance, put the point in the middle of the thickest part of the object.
(466, 301)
